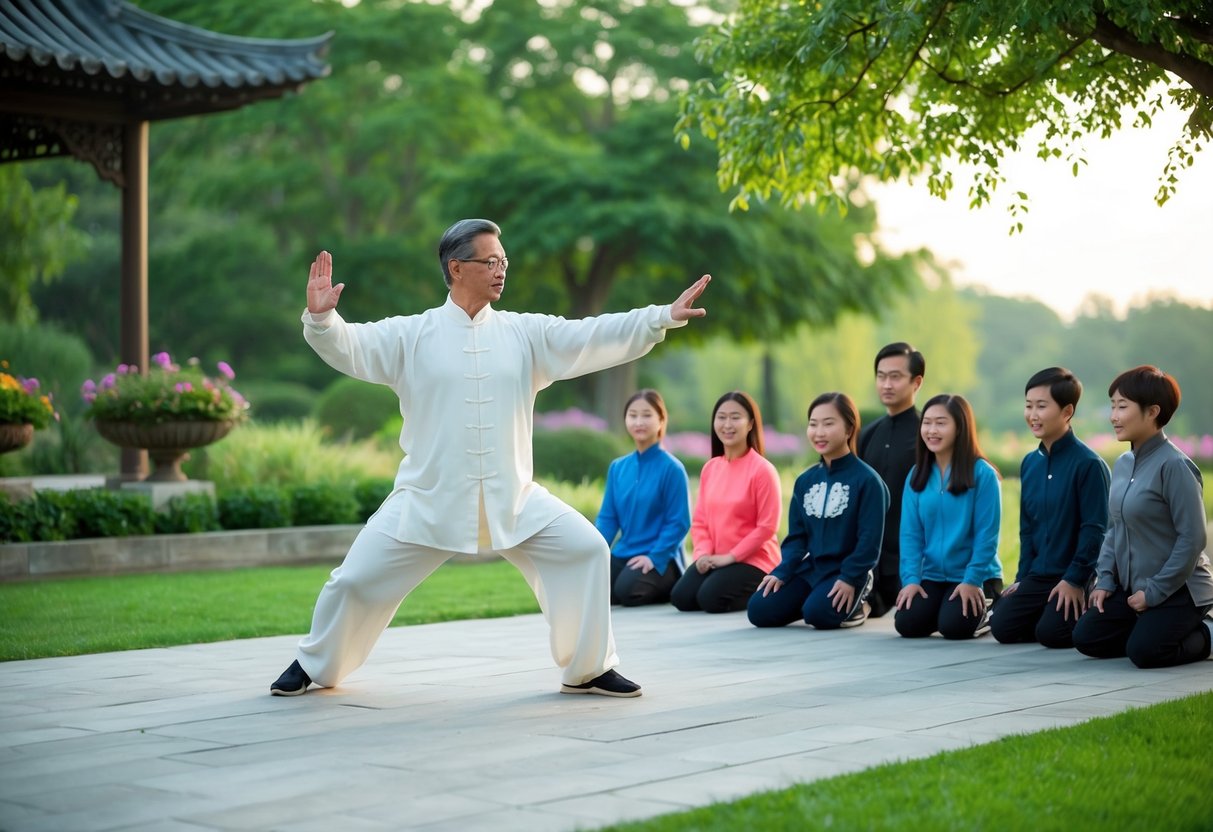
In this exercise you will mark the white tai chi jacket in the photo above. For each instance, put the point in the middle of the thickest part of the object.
(467, 390)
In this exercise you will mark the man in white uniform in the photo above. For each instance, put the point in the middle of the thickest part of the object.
(467, 376)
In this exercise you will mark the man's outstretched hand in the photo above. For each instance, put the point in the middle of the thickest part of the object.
(684, 308)
(322, 295)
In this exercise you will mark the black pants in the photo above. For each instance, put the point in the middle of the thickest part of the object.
(883, 596)
(727, 589)
(1028, 615)
(633, 588)
(1170, 634)
(936, 613)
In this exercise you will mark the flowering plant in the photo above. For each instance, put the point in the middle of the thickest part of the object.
(21, 403)
(168, 393)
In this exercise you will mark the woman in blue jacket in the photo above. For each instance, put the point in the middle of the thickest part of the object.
(835, 527)
(950, 516)
(647, 505)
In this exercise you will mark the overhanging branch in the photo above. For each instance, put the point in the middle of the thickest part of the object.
(1197, 73)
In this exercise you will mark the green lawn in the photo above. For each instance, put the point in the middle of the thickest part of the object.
(1145, 769)
(92, 615)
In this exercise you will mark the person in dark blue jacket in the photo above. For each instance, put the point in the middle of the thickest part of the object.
(835, 526)
(647, 505)
(1063, 515)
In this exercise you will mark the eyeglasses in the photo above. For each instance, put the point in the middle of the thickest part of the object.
(492, 262)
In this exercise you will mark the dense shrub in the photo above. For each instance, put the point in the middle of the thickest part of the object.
(188, 514)
(324, 504)
(370, 494)
(100, 512)
(575, 454)
(47, 516)
(289, 453)
(349, 408)
(254, 507)
(278, 401)
(60, 360)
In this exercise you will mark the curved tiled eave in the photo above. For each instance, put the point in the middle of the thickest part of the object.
(115, 39)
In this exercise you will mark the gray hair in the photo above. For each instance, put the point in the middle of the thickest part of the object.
(458, 242)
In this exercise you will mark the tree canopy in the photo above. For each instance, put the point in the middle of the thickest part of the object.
(805, 94)
(551, 118)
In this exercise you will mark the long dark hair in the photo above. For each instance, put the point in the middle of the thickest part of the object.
(654, 400)
(754, 437)
(846, 409)
(965, 452)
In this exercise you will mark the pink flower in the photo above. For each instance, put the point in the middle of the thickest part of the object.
(108, 381)
(183, 387)
(89, 386)
(124, 369)
(31, 385)
(226, 369)
(90, 397)
(163, 359)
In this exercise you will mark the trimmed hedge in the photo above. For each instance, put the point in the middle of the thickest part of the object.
(255, 507)
(96, 512)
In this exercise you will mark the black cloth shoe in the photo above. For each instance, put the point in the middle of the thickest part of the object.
(608, 684)
(292, 682)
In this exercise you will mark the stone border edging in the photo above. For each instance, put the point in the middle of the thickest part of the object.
(293, 546)
(175, 552)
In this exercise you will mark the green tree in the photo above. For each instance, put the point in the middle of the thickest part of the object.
(805, 94)
(240, 202)
(1018, 337)
(1175, 337)
(39, 241)
(602, 209)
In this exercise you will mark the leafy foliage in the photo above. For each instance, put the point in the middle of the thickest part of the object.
(575, 454)
(99, 512)
(805, 95)
(254, 507)
(40, 241)
(350, 408)
(323, 504)
(370, 494)
(188, 514)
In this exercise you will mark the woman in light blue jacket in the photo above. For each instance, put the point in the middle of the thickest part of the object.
(950, 515)
(646, 505)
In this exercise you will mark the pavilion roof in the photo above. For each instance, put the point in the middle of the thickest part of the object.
(109, 60)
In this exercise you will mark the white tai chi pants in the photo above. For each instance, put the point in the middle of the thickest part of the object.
(566, 564)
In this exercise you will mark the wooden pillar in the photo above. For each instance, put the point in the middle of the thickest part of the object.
(133, 345)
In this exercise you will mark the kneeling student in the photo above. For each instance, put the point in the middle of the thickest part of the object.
(950, 517)
(1063, 515)
(835, 525)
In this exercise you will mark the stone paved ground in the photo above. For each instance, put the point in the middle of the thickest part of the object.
(458, 726)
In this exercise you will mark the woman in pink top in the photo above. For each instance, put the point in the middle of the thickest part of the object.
(736, 516)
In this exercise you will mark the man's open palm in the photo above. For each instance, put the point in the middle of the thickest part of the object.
(322, 295)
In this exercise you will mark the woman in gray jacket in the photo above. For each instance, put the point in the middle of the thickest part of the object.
(1153, 585)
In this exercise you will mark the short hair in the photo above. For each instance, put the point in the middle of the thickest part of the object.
(654, 400)
(965, 452)
(1147, 385)
(754, 437)
(459, 242)
(1064, 386)
(846, 409)
(918, 364)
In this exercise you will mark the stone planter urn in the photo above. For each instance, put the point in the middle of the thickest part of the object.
(14, 437)
(166, 443)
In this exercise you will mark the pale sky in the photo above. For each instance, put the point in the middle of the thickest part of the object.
(1100, 232)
